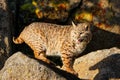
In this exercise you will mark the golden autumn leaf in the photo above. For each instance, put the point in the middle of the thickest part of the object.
(37, 10)
(39, 13)
(85, 16)
(34, 3)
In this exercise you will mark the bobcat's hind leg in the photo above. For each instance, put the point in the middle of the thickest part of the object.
(41, 56)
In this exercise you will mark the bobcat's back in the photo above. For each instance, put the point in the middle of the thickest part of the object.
(44, 36)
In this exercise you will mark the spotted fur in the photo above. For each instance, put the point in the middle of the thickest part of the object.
(50, 39)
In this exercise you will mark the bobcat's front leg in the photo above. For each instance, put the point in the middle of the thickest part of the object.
(42, 56)
(68, 61)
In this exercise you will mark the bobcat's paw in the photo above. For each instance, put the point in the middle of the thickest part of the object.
(70, 70)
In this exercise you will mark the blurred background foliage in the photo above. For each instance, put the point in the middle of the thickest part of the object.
(55, 11)
(95, 11)
(104, 14)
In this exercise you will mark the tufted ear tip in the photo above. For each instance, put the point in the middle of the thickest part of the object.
(73, 24)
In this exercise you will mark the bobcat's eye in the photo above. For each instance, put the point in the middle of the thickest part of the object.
(80, 33)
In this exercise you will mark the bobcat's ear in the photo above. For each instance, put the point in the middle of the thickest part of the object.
(73, 24)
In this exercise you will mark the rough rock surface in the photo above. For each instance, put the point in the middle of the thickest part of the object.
(4, 32)
(99, 65)
(21, 67)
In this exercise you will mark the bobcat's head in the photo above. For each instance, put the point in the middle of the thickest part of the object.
(81, 35)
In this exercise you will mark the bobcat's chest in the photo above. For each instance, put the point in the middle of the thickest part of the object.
(78, 49)
(52, 52)
(53, 48)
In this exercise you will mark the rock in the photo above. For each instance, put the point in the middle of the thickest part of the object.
(99, 65)
(4, 32)
(22, 67)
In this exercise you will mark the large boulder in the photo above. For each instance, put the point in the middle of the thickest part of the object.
(22, 67)
(99, 65)
(4, 32)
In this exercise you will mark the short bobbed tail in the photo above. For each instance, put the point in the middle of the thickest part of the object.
(17, 40)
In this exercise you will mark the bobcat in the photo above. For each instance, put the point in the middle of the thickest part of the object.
(66, 41)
